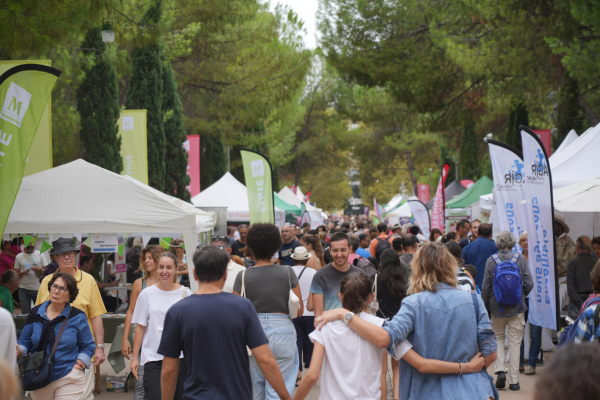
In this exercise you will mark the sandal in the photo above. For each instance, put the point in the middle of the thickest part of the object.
(298, 380)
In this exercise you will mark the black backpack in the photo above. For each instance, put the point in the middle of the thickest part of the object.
(382, 244)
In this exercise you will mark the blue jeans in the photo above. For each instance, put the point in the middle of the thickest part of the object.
(26, 297)
(535, 334)
(281, 334)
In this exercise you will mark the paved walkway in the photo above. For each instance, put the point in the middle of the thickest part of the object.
(526, 392)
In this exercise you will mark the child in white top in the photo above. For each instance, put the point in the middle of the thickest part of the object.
(351, 365)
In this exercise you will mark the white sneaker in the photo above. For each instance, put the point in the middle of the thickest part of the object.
(529, 370)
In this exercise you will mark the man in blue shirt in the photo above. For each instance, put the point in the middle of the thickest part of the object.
(288, 246)
(213, 329)
(362, 250)
(479, 251)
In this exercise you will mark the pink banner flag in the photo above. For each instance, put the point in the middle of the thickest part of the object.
(437, 213)
(423, 192)
(192, 146)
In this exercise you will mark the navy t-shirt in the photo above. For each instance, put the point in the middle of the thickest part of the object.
(285, 254)
(213, 331)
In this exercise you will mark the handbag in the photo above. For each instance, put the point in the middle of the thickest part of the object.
(476, 305)
(37, 369)
(293, 300)
(374, 305)
(243, 294)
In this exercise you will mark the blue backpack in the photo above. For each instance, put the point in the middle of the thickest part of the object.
(507, 282)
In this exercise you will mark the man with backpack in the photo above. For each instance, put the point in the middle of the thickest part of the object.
(381, 242)
(409, 245)
(506, 283)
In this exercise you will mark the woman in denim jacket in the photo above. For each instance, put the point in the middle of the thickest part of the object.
(440, 322)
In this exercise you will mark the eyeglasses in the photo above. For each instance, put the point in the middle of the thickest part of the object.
(61, 289)
(70, 254)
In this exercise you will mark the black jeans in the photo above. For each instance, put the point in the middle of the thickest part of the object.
(152, 371)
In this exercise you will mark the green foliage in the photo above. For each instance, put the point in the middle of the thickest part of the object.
(98, 106)
(176, 159)
(569, 113)
(213, 163)
(145, 93)
(470, 167)
(517, 116)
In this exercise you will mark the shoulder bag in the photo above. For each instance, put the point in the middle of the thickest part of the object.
(293, 300)
(374, 305)
(36, 370)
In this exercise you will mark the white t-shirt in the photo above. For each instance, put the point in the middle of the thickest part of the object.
(8, 338)
(24, 262)
(352, 366)
(150, 311)
(233, 269)
(305, 282)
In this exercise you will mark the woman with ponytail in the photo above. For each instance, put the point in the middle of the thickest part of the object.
(314, 247)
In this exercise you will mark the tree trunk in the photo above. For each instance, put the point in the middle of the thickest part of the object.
(304, 134)
(411, 171)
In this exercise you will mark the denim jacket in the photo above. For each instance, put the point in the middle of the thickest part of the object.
(441, 325)
(76, 342)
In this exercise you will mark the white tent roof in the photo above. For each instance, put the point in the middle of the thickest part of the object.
(579, 197)
(226, 192)
(571, 137)
(290, 197)
(81, 197)
(402, 211)
(577, 162)
(231, 193)
(393, 203)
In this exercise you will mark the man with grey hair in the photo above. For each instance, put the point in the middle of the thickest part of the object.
(579, 282)
(232, 268)
(507, 318)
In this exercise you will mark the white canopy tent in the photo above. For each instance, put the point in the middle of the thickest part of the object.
(578, 161)
(403, 211)
(80, 197)
(231, 193)
(571, 137)
(579, 204)
(290, 197)
(393, 203)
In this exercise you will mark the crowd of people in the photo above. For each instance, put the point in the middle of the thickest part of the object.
(277, 309)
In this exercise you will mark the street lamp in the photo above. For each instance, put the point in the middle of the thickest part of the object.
(108, 35)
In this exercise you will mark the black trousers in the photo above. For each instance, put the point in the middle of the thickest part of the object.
(152, 371)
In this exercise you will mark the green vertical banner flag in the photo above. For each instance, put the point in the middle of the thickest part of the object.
(39, 157)
(24, 93)
(257, 171)
(134, 144)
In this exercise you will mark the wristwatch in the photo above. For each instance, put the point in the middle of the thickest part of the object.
(348, 317)
(101, 346)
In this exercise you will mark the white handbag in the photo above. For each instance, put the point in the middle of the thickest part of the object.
(374, 305)
(293, 301)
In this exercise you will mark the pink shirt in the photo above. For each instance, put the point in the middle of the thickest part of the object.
(352, 257)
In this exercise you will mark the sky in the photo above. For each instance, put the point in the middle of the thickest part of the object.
(306, 10)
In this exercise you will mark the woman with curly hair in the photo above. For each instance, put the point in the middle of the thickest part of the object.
(149, 267)
(268, 286)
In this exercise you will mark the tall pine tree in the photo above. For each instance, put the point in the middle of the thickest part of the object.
(145, 93)
(98, 107)
(517, 116)
(213, 163)
(569, 113)
(176, 159)
(469, 153)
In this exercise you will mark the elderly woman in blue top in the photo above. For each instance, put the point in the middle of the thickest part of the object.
(75, 348)
(441, 323)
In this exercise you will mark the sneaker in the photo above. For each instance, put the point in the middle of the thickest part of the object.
(529, 370)
(521, 368)
(501, 380)
(514, 386)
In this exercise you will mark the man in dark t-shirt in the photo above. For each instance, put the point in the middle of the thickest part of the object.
(287, 247)
(238, 247)
(213, 328)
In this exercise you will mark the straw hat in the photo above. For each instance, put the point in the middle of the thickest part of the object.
(561, 220)
(300, 253)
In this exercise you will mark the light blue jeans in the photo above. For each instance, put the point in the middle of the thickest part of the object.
(281, 334)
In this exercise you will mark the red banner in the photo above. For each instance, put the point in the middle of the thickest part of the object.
(545, 137)
(423, 192)
(439, 204)
(192, 146)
